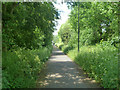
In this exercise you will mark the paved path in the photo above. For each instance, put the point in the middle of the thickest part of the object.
(62, 72)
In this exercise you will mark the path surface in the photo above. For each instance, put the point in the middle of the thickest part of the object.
(62, 72)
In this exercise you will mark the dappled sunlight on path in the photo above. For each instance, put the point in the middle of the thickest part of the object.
(61, 72)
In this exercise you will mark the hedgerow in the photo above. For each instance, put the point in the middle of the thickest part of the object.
(100, 62)
(20, 68)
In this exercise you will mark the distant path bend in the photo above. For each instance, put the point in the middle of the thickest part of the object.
(62, 72)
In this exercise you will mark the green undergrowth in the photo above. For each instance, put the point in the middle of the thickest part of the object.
(20, 68)
(65, 48)
(99, 61)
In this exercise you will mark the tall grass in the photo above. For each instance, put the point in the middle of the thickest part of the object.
(100, 62)
(20, 68)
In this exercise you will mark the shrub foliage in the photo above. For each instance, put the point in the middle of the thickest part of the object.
(21, 67)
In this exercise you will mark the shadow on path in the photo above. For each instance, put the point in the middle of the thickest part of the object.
(61, 72)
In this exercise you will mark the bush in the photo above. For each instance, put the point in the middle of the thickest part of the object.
(115, 41)
(61, 46)
(66, 49)
(101, 63)
(73, 53)
(20, 68)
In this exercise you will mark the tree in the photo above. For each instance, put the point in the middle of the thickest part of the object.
(28, 25)
(65, 32)
(98, 21)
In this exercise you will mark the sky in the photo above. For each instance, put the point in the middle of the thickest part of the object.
(64, 14)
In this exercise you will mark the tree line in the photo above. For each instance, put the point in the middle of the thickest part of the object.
(97, 22)
(27, 25)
